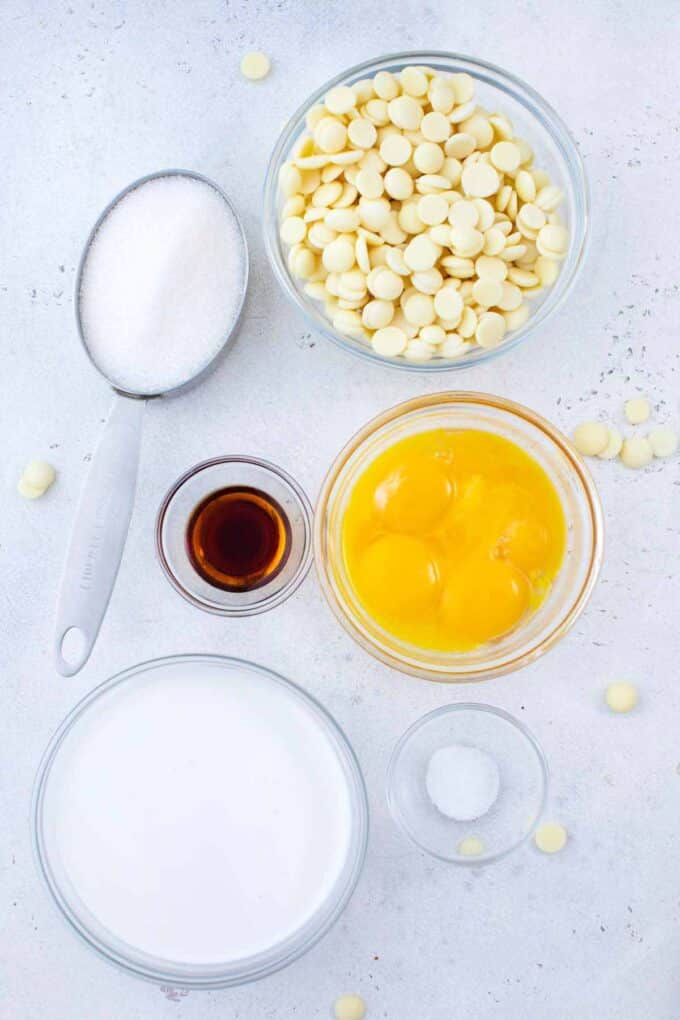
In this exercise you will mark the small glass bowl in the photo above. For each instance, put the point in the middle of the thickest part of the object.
(523, 787)
(534, 119)
(191, 489)
(572, 586)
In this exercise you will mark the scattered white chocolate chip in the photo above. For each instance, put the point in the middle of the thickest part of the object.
(591, 438)
(406, 172)
(621, 696)
(255, 65)
(471, 846)
(36, 479)
(349, 1007)
(550, 837)
(614, 444)
(663, 441)
(637, 410)
(636, 452)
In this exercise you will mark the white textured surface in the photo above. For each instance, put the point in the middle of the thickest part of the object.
(95, 94)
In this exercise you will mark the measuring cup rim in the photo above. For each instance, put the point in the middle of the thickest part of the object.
(209, 366)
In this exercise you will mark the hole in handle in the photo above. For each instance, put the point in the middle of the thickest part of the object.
(72, 649)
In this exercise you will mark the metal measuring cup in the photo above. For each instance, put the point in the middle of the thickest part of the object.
(107, 498)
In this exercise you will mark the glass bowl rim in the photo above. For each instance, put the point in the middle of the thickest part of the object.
(470, 706)
(259, 967)
(268, 602)
(421, 404)
(549, 120)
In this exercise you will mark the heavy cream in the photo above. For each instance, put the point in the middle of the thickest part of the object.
(201, 812)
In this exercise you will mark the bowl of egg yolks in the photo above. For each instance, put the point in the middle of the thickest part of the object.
(500, 93)
(458, 536)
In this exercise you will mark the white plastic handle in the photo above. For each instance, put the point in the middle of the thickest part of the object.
(99, 534)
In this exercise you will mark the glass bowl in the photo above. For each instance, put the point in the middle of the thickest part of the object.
(534, 119)
(191, 489)
(61, 759)
(572, 586)
(523, 783)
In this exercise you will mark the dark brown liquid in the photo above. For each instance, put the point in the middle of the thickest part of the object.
(238, 538)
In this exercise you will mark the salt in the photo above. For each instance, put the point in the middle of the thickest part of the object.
(162, 284)
(462, 782)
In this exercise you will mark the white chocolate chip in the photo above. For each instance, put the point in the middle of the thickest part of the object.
(395, 150)
(663, 441)
(349, 1007)
(433, 209)
(405, 112)
(413, 81)
(448, 304)
(466, 242)
(432, 334)
(370, 183)
(338, 256)
(255, 65)
(419, 309)
(330, 135)
(637, 410)
(377, 314)
(362, 133)
(480, 180)
(614, 444)
(471, 846)
(550, 837)
(464, 214)
(552, 241)
(386, 85)
(421, 253)
(487, 292)
(591, 438)
(389, 341)
(418, 350)
(428, 282)
(340, 100)
(636, 452)
(490, 329)
(428, 158)
(36, 479)
(385, 284)
(505, 156)
(435, 127)
(621, 696)
(516, 318)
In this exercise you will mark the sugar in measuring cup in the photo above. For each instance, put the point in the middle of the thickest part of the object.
(159, 293)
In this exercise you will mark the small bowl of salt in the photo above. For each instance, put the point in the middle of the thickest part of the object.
(467, 783)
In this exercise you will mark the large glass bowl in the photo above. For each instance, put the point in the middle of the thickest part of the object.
(572, 586)
(534, 120)
(47, 807)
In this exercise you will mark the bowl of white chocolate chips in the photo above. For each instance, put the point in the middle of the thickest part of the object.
(426, 210)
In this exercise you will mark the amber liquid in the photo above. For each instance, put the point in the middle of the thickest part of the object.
(238, 538)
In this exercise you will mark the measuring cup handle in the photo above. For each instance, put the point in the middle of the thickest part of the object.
(98, 535)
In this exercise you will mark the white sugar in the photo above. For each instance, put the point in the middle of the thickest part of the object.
(162, 284)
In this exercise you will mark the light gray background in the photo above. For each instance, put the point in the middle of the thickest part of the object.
(96, 94)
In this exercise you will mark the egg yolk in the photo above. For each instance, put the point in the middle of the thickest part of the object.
(398, 575)
(400, 500)
(452, 537)
(484, 601)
